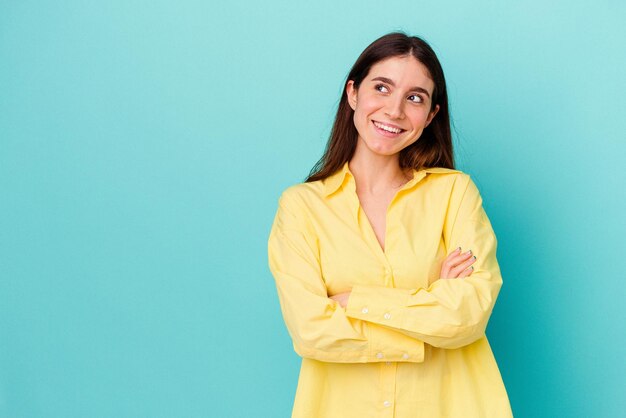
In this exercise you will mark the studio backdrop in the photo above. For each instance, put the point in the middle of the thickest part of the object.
(144, 145)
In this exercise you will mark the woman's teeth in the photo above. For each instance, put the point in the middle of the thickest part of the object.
(388, 128)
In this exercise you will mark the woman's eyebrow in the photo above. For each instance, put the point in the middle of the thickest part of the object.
(389, 81)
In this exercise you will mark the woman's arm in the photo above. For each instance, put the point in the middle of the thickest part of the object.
(318, 325)
(450, 313)
(456, 265)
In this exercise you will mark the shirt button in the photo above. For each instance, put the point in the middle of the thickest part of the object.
(405, 356)
(387, 316)
(387, 403)
(365, 310)
(379, 355)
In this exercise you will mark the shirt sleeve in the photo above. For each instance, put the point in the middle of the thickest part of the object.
(318, 326)
(450, 313)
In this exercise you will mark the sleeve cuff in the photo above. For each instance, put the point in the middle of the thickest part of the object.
(384, 306)
(387, 344)
(378, 304)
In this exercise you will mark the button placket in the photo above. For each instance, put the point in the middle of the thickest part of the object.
(388, 383)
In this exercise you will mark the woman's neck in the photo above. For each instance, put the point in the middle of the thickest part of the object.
(378, 174)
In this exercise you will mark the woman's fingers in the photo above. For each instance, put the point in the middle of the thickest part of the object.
(463, 266)
(457, 258)
(458, 264)
(466, 272)
(450, 263)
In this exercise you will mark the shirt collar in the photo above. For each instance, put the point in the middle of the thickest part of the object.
(336, 180)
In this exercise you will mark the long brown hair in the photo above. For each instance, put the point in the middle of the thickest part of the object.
(434, 147)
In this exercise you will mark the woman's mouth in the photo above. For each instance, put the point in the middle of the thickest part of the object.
(386, 130)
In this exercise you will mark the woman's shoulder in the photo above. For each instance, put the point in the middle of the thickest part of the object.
(446, 175)
(300, 193)
(442, 170)
(453, 182)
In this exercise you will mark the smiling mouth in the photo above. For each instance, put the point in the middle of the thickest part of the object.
(386, 129)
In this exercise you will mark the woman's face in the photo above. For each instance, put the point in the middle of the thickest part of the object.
(392, 104)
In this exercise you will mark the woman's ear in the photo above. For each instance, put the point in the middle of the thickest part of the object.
(431, 116)
(351, 93)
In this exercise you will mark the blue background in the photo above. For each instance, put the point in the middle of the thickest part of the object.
(143, 147)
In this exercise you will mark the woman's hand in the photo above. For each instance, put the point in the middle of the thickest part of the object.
(457, 264)
(342, 298)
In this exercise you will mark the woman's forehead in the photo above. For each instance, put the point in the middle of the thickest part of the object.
(404, 71)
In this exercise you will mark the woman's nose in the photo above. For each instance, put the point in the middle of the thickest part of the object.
(394, 108)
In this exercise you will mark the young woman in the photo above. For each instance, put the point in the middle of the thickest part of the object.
(384, 258)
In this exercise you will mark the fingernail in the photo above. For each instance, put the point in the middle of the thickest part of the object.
(458, 250)
(474, 257)
(469, 252)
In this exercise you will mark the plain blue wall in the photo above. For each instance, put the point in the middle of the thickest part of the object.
(143, 147)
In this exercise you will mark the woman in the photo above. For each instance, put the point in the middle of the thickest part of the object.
(385, 260)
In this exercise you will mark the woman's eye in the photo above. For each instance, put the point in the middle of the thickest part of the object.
(381, 87)
(415, 98)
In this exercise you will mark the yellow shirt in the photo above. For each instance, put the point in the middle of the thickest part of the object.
(408, 344)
